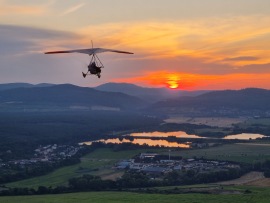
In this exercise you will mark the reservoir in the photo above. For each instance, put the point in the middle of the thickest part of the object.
(142, 141)
(244, 136)
(178, 134)
(146, 138)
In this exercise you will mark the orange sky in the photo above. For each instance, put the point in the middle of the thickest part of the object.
(187, 44)
(197, 54)
(196, 81)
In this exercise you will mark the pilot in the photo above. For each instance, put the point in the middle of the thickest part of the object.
(94, 69)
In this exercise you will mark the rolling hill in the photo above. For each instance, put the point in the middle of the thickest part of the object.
(65, 96)
(250, 101)
(8, 86)
(147, 94)
(124, 96)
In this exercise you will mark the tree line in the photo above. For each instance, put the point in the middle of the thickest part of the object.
(129, 180)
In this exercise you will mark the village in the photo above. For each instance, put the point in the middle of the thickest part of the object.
(44, 154)
(155, 165)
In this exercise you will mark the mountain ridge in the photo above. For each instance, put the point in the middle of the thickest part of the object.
(7, 86)
(147, 94)
(236, 102)
(248, 101)
(67, 95)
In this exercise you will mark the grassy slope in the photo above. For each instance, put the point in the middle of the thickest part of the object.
(59, 176)
(261, 195)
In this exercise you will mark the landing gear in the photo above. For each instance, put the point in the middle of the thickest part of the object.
(96, 72)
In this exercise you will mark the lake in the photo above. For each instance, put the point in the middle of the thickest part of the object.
(165, 143)
(244, 136)
(178, 134)
(142, 141)
(182, 134)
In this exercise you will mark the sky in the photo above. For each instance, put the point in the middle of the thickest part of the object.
(182, 44)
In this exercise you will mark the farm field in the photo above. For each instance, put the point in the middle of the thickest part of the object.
(259, 121)
(255, 195)
(98, 163)
(105, 153)
(210, 121)
(247, 179)
(243, 152)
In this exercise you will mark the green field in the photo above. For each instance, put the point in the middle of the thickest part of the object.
(205, 131)
(99, 163)
(257, 195)
(259, 121)
(106, 153)
(247, 153)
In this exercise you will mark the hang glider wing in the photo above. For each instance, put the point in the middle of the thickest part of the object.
(88, 51)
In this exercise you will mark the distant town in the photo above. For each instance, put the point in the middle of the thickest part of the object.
(155, 165)
(49, 154)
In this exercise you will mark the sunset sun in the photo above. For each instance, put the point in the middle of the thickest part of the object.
(173, 81)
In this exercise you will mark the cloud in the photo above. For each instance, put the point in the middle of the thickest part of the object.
(23, 40)
(7, 9)
(22, 58)
(190, 53)
(72, 9)
(242, 58)
(208, 39)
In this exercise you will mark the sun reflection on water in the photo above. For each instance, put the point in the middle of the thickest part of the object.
(149, 142)
(178, 134)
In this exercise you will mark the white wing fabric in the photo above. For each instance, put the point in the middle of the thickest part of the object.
(88, 51)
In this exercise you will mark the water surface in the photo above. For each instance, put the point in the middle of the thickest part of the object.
(244, 136)
(165, 143)
(149, 142)
(178, 134)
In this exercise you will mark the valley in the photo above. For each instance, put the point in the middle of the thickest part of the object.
(86, 139)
